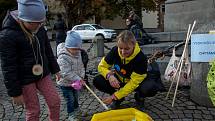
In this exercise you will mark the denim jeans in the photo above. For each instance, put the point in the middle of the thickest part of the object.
(71, 97)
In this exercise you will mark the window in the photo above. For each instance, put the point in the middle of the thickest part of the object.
(87, 27)
(79, 28)
(97, 26)
(163, 8)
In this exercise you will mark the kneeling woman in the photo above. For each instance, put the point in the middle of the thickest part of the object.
(123, 71)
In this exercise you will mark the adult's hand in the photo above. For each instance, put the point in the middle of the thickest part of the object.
(114, 82)
(108, 100)
(18, 100)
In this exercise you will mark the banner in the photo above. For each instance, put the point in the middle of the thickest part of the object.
(202, 47)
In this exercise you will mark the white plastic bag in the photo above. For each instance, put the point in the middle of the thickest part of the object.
(172, 67)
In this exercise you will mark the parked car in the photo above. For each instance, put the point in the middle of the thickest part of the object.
(90, 31)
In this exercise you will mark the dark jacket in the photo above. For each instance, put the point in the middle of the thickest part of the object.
(17, 56)
(125, 69)
(60, 28)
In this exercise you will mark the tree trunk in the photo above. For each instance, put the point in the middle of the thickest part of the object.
(138, 9)
(97, 19)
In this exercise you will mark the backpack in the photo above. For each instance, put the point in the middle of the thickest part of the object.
(153, 74)
(141, 35)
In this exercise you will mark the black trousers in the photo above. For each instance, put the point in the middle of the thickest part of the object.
(147, 88)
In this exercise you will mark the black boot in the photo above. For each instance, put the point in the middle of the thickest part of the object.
(139, 102)
(116, 103)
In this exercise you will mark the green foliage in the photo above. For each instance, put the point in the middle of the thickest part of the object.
(7, 4)
(81, 10)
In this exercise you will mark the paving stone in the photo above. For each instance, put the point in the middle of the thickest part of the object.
(211, 109)
(187, 119)
(181, 104)
(206, 111)
(208, 117)
(176, 120)
(197, 116)
(173, 116)
(88, 101)
(181, 108)
(197, 120)
(177, 111)
(91, 107)
(201, 108)
(154, 116)
(181, 115)
(191, 107)
(188, 115)
(84, 106)
(164, 117)
(157, 111)
(159, 120)
(188, 111)
(1, 115)
(198, 111)
(189, 103)
(1, 108)
(168, 112)
(212, 113)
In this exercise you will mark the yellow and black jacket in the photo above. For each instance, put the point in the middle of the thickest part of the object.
(131, 71)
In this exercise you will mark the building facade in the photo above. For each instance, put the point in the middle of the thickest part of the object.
(180, 13)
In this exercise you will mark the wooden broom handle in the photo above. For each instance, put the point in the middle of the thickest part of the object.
(106, 108)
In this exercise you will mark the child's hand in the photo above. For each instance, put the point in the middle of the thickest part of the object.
(57, 75)
(77, 85)
(83, 82)
(18, 100)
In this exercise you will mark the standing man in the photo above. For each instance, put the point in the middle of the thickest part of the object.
(27, 60)
(60, 28)
(136, 19)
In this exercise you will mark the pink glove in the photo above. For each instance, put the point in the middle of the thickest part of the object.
(77, 85)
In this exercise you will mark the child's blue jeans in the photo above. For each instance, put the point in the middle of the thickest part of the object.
(71, 97)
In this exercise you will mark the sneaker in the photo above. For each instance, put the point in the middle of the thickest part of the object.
(72, 117)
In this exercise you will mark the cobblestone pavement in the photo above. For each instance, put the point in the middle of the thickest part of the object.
(157, 107)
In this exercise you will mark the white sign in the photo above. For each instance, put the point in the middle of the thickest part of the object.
(202, 47)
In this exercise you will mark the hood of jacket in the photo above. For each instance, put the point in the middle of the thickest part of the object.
(10, 21)
(61, 49)
(128, 59)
